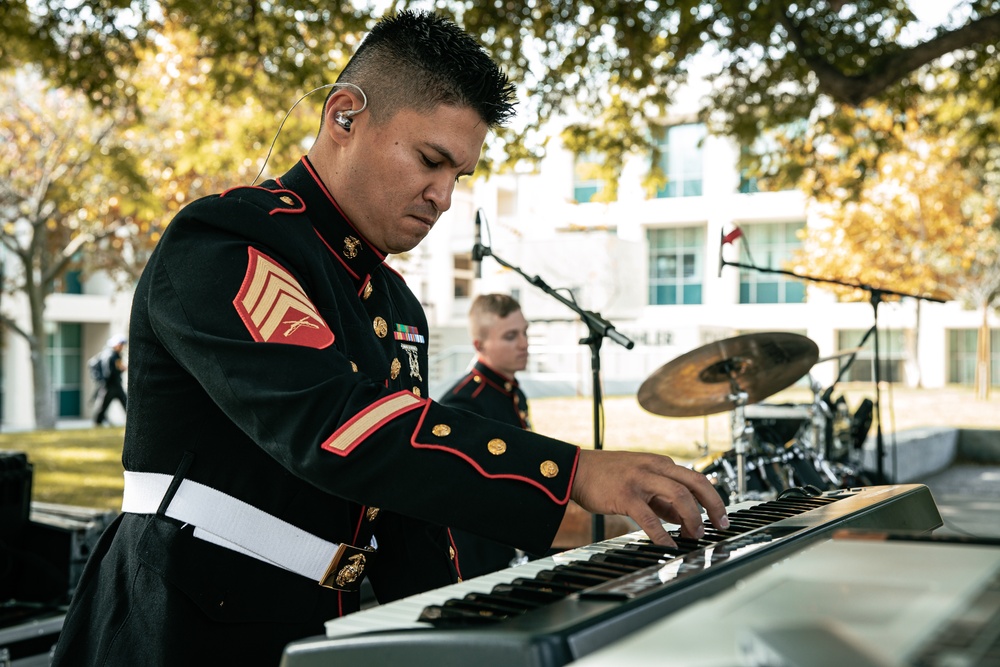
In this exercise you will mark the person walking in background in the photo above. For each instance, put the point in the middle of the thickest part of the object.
(109, 380)
(500, 335)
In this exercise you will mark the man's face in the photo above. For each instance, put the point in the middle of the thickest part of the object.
(504, 347)
(400, 175)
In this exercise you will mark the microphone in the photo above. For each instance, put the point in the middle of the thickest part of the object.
(478, 249)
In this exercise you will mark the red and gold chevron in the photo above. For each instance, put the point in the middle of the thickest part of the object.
(275, 308)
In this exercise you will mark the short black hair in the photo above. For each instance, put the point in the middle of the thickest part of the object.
(418, 60)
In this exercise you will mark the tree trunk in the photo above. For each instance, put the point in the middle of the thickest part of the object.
(982, 377)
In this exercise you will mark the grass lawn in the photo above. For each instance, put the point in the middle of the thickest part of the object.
(83, 467)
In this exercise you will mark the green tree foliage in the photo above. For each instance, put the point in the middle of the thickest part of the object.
(61, 160)
(773, 63)
(925, 223)
(89, 188)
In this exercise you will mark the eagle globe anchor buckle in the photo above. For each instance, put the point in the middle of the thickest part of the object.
(347, 568)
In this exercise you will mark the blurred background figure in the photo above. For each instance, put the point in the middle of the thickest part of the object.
(107, 370)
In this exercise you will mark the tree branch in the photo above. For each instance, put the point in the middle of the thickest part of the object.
(891, 68)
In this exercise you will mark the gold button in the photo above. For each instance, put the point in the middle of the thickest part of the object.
(441, 430)
(507, 386)
(549, 469)
(477, 379)
(394, 369)
(288, 200)
(496, 446)
(451, 553)
(354, 367)
(381, 328)
(368, 291)
(416, 391)
(371, 513)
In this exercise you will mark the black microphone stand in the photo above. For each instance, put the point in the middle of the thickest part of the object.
(599, 329)
(875, 295)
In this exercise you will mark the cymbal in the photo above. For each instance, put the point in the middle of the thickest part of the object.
(703, 381)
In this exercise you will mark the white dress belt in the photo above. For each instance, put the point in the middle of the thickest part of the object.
(231, 523)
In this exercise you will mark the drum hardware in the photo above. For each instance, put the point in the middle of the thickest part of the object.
(730, 374)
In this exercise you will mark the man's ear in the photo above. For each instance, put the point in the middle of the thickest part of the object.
(338, 114)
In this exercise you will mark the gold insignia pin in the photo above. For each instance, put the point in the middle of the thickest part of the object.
(351, 247)
(347, 568)
(496, 446)
(371, 513)
(288, 200)
(549, 469)
(441, 430)
(381, 328)
(368, 290)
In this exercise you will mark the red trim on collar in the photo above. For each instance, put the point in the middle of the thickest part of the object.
(322, 186)
(340, 259)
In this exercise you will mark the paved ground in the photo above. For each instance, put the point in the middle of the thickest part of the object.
(968, 497)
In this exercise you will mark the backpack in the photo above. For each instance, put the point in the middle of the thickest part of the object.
(98, 367)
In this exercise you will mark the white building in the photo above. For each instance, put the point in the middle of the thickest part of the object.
(649, 266)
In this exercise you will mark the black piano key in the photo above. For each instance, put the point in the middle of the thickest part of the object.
(443, 616)
(511, 604)
(533, 590)
(559, 574)
(629, 560)
(619, 568)
(484, 607)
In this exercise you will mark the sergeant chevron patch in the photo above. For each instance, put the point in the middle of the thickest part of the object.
(275, 308)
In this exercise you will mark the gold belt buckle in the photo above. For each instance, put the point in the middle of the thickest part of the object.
(347, 568)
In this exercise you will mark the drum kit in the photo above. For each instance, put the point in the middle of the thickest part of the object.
(775, 446)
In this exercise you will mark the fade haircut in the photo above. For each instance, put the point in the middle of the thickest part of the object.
(485, 308)
(417, 60)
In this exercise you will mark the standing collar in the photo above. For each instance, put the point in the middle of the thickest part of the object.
(345, 242)
(494, 378)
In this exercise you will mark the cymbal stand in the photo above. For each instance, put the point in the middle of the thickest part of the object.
(742, 434)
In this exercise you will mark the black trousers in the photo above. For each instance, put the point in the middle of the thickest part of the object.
(105, 395)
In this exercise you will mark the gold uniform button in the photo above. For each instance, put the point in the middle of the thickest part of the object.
(394, 369)
(416, 391)
(477, 379)
(496, 446)
(288, 200)
(354, 367)
(381, 328)
(549, 469)
(508, 386)
(371, 513)
(451, 553)
(441, 430)
(368, 291)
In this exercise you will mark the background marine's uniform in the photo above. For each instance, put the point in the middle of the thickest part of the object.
(487, 393)
(277, 360)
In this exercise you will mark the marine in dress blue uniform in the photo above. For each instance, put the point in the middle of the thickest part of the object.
(488, 393)
(294, 361)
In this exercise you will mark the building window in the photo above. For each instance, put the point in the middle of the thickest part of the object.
(962, 344)
(680, 160)
(464, 274)
(676, 257)
(891, 352)
(770, 245)
(587, 183)
(66, 368)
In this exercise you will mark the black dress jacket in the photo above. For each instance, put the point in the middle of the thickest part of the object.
(275, 353)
